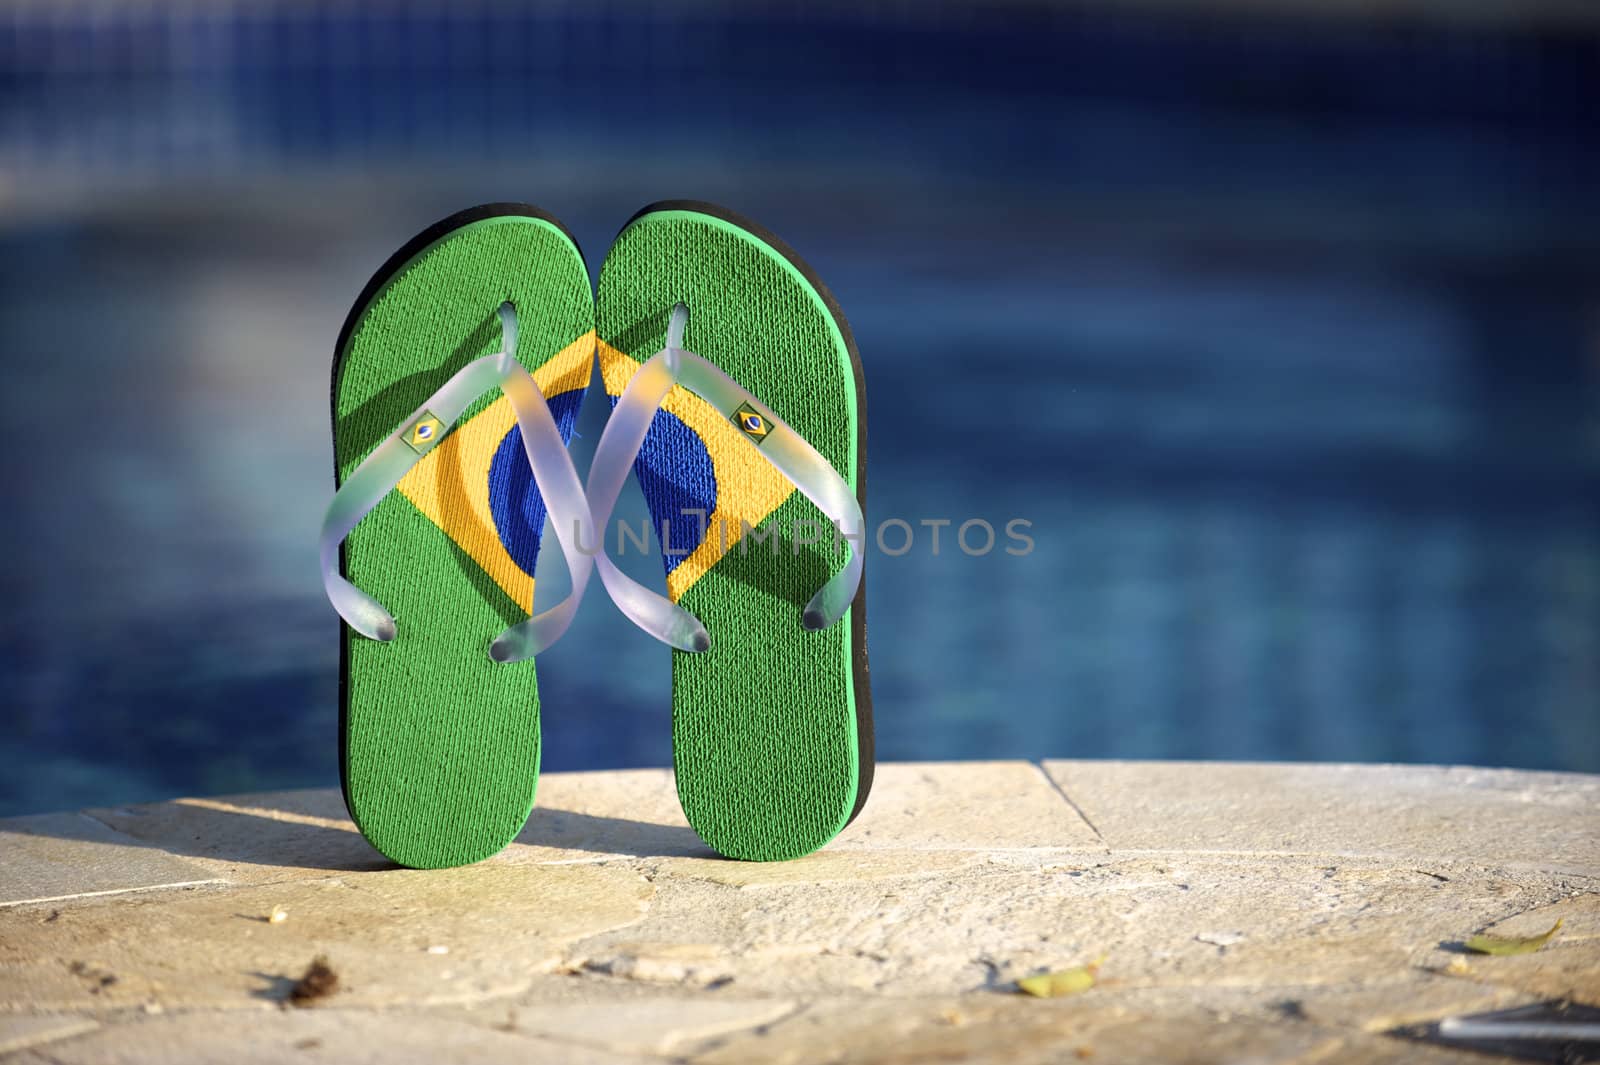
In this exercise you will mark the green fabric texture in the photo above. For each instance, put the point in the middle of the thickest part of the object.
(441, 744)
(763, 724)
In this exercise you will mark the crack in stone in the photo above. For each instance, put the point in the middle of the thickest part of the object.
(1059, 790)
(87, 816)
(113, 891)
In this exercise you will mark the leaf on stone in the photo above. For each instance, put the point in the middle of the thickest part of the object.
(319, 982)
(1073, 981)
(1512, 944)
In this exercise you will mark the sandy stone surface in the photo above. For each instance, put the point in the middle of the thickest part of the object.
(1261, 913)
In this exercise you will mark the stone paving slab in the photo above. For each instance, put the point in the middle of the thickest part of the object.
(57, 856)
(956, 929)
(978, 806)
(246, 839)
(655, 1026)
(1486, 816)
(914, 806)
(18, 1033)
(352, 1037)
(1262, 913)
(635, 814)
(219, 948)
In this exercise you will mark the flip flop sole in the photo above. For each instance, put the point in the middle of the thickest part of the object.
(439, 745)
(772, 727)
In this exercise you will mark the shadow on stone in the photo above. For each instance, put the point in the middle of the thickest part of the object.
(49, 857)
(311, 830)
(279, 830)
(274, 988)
(571, 830)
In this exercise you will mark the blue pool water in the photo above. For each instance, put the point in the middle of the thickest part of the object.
(1282, 337)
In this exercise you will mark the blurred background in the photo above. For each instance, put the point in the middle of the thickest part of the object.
(1280, 321)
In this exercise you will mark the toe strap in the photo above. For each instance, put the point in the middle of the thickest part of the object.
(382, 470)
(789, 452)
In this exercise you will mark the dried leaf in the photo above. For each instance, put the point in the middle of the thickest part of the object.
(1511, 944)
(1071, 981)
(319, 982)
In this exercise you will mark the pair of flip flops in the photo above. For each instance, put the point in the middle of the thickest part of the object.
(737, 403)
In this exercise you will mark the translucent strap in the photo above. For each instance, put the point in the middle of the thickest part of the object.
(552, 469)
(780, 445)
(613, 461)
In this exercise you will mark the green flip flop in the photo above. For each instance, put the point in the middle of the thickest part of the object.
(434, 434)
(772, 723)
